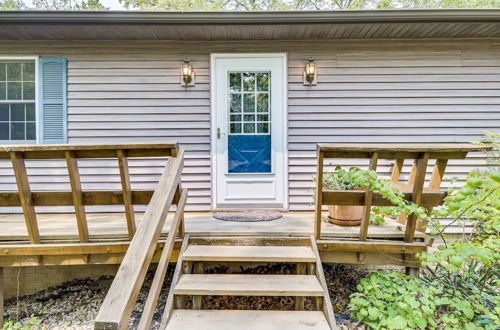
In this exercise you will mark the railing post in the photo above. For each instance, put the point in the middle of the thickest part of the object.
(365, 221)
(416, 196)
(23, 187)
(127, 191)
(76, 191)
(319, 192)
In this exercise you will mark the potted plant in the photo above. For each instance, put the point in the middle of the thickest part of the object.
(343, 215)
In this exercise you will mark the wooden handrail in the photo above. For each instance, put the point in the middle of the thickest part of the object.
(101, 150)
(161, 270)
(122, 295)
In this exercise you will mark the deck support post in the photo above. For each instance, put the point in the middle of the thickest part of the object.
(319, 194)
(412, 271)
(1, 297)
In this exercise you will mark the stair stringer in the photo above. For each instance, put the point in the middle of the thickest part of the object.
(327, 303)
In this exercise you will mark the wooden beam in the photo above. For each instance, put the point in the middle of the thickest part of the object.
(371, 246)
(411, 180)
(396, 170)
(161, 270)
(76, 190)
(182, 227)
(438, 173)
(23, 187)
(116, 307)
(319, 195)
(127, 191)
(65, 198)
(357, 197)
(399, 151)
(169, 304)
(320, 274)
(365, 220)
(434, 183)
(416, 195)
(101, 150)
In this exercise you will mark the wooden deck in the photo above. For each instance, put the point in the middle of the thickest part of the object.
(109, 239)
(105, 226)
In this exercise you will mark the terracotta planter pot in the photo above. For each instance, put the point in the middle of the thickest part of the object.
(345, 215)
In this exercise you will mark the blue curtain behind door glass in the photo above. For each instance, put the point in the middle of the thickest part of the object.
(249, 153)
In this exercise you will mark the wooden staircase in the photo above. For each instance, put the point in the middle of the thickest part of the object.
(191, 283)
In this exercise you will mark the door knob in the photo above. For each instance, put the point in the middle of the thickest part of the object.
(219, 133)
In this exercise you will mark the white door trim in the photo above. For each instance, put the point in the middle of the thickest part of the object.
(213, 112)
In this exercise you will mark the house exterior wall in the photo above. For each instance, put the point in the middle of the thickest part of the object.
(405, 91)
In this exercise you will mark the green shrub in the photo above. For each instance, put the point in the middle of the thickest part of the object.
(32, 324)
(459, 288)
(396, 301)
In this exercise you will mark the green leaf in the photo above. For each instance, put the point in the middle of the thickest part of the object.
(373, 313)
(397, 322)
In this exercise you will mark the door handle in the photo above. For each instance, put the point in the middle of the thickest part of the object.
(219, 133)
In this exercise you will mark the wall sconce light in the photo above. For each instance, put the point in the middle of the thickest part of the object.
(187, 74)
(310, 73)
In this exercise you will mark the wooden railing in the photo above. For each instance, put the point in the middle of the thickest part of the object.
(28, 199)
(122, 295)
(413, 190)
(124, 290)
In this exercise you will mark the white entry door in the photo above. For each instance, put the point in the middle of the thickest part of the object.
(249, 131)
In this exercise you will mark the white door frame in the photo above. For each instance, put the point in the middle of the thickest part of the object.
(213, 110)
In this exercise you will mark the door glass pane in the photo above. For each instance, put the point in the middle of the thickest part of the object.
(263, 82)
(235, 81)
(235, 102)
(249, 102)
(249, 138)
(248, 81)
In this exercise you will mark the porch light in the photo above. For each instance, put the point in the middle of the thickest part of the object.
(187, 74)
(310, 73)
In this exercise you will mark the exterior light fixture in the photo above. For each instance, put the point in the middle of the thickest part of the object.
(187, 74)
(310, 73)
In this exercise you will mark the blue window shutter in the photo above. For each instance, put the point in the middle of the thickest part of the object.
(53, 100)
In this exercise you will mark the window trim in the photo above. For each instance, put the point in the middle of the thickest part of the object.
(37, 96)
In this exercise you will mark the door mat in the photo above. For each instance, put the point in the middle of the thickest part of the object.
(248, 216)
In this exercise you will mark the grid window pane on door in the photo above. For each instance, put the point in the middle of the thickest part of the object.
(17, 101)
(249, 141)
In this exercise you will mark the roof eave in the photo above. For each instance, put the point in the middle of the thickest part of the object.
(260, 17)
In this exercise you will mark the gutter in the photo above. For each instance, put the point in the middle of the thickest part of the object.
(246, 18)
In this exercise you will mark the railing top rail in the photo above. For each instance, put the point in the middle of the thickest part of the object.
(99, 150)
(398, 151)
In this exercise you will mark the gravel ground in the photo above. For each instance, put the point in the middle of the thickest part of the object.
(75, 304)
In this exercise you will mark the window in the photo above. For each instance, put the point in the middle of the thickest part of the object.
(17, 101)
(249, 103)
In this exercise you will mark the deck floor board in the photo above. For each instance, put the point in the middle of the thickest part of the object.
(114, 225)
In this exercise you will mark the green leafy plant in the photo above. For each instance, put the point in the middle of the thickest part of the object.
(355, 177)
(31, 324)
(396, 301)
(459, 287)
(340, 179)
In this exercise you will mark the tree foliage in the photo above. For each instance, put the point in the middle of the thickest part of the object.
(12, 5)
(53, 5)
(250, 5)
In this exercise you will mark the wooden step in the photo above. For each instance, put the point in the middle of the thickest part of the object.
(249, 253)
(248, 285)
(246, 320)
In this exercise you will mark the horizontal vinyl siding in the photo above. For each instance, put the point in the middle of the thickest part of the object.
(131, 100)
(368, 91)
(392, 96)
(145, 104)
